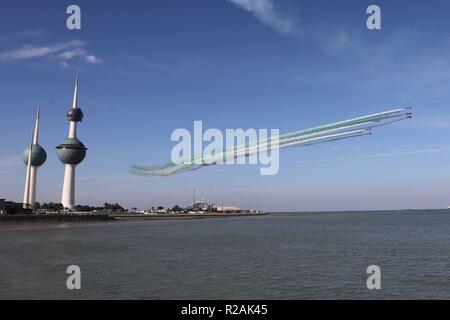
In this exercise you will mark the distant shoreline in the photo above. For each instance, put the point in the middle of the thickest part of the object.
(361, 211)
(114, 217)
(182, 216)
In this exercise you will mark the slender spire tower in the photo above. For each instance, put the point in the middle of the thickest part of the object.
(71, 152)
(33, 161)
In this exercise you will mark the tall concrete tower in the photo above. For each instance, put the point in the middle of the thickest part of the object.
(33, 161)
(71, 152)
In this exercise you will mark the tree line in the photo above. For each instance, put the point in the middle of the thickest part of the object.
(52, 206)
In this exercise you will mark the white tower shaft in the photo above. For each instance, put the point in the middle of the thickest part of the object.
(33, 179)
(26, 194)
(68, 194)
(73, 124)
(73, 129)
(36, 127)
(29, 197)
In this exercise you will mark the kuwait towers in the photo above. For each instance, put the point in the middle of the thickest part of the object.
(33, 160)
(71, 152)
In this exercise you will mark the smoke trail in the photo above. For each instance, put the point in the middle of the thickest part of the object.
(326, 133)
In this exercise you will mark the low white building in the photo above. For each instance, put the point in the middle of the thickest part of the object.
(228, 209)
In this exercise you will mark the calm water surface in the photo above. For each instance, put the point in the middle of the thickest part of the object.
(281, 256)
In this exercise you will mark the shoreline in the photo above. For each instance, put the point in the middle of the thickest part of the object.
(86, 218)
(52, 218)
(182, 216)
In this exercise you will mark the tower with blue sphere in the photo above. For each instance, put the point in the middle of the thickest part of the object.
(33, 160)
(71, 152)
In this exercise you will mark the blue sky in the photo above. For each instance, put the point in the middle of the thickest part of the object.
(149, 67)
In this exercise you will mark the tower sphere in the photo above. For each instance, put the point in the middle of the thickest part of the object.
(38, 155)
(71, 151)
(74, 114)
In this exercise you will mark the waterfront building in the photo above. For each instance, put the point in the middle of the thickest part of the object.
(9, 207)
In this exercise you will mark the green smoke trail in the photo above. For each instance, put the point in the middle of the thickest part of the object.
(325, 133)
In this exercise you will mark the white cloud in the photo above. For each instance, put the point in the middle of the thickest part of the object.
(29, 51)
(67, 55)
(64, 51)
(78, 52)
(93, 59)
(264, 11)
